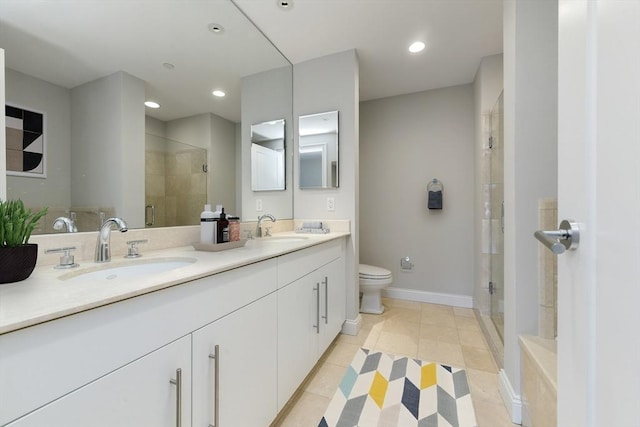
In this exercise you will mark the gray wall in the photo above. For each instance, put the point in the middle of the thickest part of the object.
(55, 102)
(405, 142)
(107, 145)
(266, 96)
(324, 84)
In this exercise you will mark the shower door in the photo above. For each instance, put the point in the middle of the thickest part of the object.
(496, 195)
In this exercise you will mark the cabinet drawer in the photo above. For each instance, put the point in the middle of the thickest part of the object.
(43, 362)
(294, 265)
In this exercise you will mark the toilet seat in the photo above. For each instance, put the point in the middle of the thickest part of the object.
(371, 272)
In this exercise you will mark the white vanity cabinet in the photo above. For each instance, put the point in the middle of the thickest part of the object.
(242, 339)
(236, 357)
(143, 393)
(311, 311)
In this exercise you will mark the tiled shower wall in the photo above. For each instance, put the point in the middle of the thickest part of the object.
(176, 185)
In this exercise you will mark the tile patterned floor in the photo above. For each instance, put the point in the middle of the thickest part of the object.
(438, 333)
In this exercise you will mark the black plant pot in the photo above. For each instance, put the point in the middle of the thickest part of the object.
(17, 263)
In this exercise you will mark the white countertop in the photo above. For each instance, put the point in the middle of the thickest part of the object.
(44, 296)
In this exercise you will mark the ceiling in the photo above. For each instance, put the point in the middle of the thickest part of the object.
(458, 33)
(70, 42)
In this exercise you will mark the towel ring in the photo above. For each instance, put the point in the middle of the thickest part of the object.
(435, 185)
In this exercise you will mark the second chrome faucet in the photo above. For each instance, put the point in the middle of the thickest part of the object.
(259, 226)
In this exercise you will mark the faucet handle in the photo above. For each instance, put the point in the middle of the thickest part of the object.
(66, 259)
(132, 251)
(249, 234)
(267, 232)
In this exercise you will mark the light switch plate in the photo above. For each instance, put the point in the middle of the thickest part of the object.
(258, 205)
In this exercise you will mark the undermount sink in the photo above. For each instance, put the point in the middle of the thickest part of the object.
(126, 270)
(285, 239)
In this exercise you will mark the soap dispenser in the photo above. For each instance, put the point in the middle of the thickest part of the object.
(223, 228)
(207, 226)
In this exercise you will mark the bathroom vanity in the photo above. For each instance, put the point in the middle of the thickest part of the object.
(222, 341)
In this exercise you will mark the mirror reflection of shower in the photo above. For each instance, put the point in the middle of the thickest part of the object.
(175, 182)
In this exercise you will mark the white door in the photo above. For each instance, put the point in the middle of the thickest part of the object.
(142, 393)
(599, 186)
(332, 302)
(246, 374)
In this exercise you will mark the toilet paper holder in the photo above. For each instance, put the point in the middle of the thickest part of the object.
(566, 238)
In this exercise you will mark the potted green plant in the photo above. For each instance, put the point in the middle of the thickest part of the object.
(17, 256)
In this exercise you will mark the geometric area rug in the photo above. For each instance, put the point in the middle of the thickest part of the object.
(383, 390)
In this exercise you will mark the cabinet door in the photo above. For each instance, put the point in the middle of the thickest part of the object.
(297, 334)
(332, 302)
(142, 393)
(246, 343)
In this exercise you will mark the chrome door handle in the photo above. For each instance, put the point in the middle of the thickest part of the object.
(150, 209)
(326, 300)
(178, 383)
(567, 237)
(317, 325)
(216, 386)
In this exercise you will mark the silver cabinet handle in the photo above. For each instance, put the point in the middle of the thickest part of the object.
(567, 237)
(326, 300)
(178, 383)
(216, 386)
(317, 325)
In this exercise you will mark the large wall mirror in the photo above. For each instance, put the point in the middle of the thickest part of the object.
(318, 150)
(89, 67)
(268, 155)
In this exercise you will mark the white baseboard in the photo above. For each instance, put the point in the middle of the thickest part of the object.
(454, 300)
(352, 326)
(511, 400)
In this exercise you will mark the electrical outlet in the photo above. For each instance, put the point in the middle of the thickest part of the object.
(258, 205)
(331, 204)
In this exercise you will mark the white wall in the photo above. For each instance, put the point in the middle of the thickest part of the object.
(406, 141)
(54, 101)
(530, 157)
(266, 96)
(107, 146)
(487, 87)
(331, 83)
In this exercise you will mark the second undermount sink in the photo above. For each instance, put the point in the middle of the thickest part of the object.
(109, 272)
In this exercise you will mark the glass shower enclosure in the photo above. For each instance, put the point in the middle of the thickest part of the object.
(175, 182)
(496, 232)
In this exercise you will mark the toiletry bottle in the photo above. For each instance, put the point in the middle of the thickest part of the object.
(234, 228)
(207, 226)
(223, 228)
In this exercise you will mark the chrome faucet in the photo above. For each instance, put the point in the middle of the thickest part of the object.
(103, 252)
(259, 226)
(68, 224)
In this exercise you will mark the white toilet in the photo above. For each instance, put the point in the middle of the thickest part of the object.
(372, 281)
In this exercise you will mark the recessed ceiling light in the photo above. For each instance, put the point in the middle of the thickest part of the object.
(216, 28)
(168, 65)
(416, 47)
(152, 104)
(218, 93)
(285, 4)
